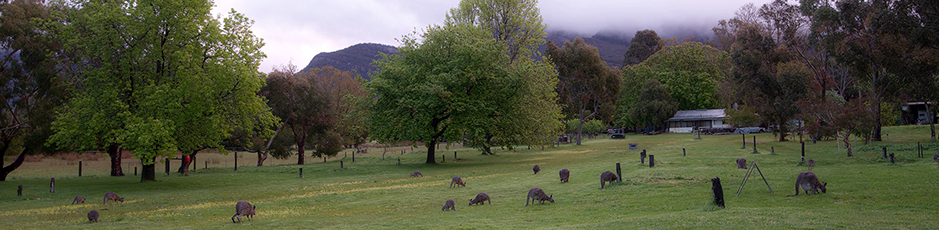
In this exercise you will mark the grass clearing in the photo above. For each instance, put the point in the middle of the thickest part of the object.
(864, 191)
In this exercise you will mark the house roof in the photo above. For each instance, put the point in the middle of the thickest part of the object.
(698, 115)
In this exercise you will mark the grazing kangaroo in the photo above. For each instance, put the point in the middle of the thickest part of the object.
(480, 198)
(811, 164)
(416, 174)
(565, 175)
(607, 176)
(112, 196)
(537, 194)
(78, 200)
(93, 216)
(809, 182)
(243, 208)
(456, 180)
(449, 205)
(742, 163)
(536, 169)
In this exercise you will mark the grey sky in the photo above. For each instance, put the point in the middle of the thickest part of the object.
(295, 31)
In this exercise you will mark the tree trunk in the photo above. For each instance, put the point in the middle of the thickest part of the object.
(847, 143)
(262, 156)
(149, 171)
(931, 118)
(430, 152)
(300, 138)
(114, 150)
(300, 152)
(580, 127)
(185, 165)
(782, 133)
(16, 163)
(487, 146)
(877, 116)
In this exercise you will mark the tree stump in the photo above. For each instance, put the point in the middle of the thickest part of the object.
(718, 191)
(651, 161)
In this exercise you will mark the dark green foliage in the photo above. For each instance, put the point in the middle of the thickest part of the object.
(641, 47)
(654, 105)
(587, 86)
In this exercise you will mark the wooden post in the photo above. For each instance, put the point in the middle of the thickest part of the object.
(803, 152)
(353, 156)
(301, 172)
(135, 170)
(682, 151)
(193, 162)
(167, 164)
(754, 144)
(454, 156)
(206, 165)
(399, 160)
(79, 168)
(718, 192)
(340, 165)
(772, 150)
(891, 158)
(885, 151)
(619, 174)
(236, 161)
(744, 138)
(651, 161)
(642, 157)
(444, 158)
(52, 185)
(19, 190)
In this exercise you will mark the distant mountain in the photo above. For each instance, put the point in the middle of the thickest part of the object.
(612, 47)
(356, 58)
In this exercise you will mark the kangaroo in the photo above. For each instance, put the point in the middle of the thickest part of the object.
(243, 208)
(742, 163)
(935, 158)
(416, 174)
(537, 194)
(565, 175)
(78, 200)
(480, 199)
(809, 182)
(536, 169)
(93, 216)
(449, 205)
(811, 164)
(112, 196)
(607, 176)
(456, 180)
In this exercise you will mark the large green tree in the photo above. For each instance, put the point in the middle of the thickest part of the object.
(518, 26)
(691, 72)
(31, 87)
(440, 87)
(654, 105)
(587, 86)
(157, 78)
(641, 47)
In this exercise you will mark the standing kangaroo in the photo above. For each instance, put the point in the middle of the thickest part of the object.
(112, 196)
(809, 182)
(536, 169)
(456, 180)
(449, 205)
(78, 200)
(607, 176)
(537, 194)
(480, 199)
(565, 175)
(742, 163)
(243, 208)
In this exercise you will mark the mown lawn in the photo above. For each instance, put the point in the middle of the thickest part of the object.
(864, 191)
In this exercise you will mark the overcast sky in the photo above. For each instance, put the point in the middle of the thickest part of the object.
(296, 30)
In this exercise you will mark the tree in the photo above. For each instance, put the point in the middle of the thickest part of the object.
(442, 84)
(654, 105)
(586, 84)
(691, 72)
(157, 78)
(297, 99)
(766, 79)
(345, 92)
(31, 88)
(641, 47)
(518, 26)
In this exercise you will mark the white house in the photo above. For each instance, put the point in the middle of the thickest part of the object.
(685, 121)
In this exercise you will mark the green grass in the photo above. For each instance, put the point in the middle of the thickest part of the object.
(864, 191)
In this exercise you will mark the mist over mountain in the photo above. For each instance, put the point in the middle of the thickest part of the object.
(611, 44)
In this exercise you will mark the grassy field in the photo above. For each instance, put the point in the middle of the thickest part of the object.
(864, 191)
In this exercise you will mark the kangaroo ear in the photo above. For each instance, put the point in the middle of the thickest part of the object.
(551, 196)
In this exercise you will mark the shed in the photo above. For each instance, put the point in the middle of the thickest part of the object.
(686, 121)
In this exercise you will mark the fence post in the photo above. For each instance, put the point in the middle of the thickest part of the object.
(642, 157)
(167, 164)
(19, 190)
(301, 172)
(891, 158)
(651, 161)
(52, 185)
(718, 191)
(682, 151)
(135, 170)
(236, 161)
(79, 168)
(803, 152)
(754, 144)
(885, 151)
(619, 174)
(743, 137)
(340, 165)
